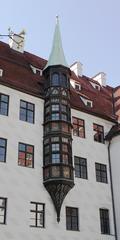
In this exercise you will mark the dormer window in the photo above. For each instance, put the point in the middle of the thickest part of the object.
(96, 86)
(77, 87)
(36, 70)
(87, 102)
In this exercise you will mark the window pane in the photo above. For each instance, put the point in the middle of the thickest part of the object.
(63, 108)
(2, 154)
(66, 172)
(30, 116)
(64, 147)
(4, 98)
(21, 147)
(23, 114)
(29, 160)
(55, 147)
(47, 149)
(55, 116)
(3, 210)
(23, 104)
(55, 126)
(55, 139)
(21, 159)
(3, 108)
(40, 219)
(65, 158)
(30, 106)
(81, 132)
(64, 127)
(46, 173)
(29, 149)
(55, 171)
(55, 107)
(55, 158)
(2, 142)
(1, 216)
(99, 133)
(55, 79)
(64, 117)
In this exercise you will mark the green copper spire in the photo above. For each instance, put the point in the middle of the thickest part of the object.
(57, 55)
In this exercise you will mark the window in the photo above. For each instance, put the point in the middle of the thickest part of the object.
(80, 167)
(77, 87)
(101, 173)
(55, 171)
(55, 158)
(55, 139)
(55, 79)
(27, 111)
(65, 148)
(55, 100)
(66, 172)
(37, 215)
(63, 80)
(3, 147)
(78, 127)
(47, 109)
(63, 108)
(55, 126)
(55, 107)
(72, 218)
(97, 87)
(99, 133)
(55, 116)
(4, 103)
(26, 155)
(104, 221)
(64, 127)
(89, 104)
(55, 147)
(64, 117)
(47, 149)
(3, 206)
(65, 158)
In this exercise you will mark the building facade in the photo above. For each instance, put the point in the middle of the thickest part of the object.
(59, 135)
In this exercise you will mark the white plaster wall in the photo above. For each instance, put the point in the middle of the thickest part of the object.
(115, 163)
(22, 185)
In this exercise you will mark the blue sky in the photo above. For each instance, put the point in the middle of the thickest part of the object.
(90, 31)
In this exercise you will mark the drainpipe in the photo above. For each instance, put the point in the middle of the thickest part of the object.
(112, 194)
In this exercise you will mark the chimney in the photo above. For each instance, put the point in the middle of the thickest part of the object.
(77, 68)
(16, 41)
(100, 78)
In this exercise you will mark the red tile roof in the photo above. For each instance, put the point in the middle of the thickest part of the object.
(19, 75)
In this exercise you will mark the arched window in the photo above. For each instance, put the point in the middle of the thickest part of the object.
(55, 79)
(63, 80)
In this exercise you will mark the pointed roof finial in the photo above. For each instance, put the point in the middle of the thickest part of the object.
(57, 19)
(57, 54)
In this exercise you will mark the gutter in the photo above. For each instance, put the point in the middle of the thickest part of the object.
(112, 194)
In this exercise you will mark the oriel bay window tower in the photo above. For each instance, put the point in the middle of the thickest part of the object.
(57, 164)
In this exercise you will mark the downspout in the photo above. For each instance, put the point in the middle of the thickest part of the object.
(112, 194)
